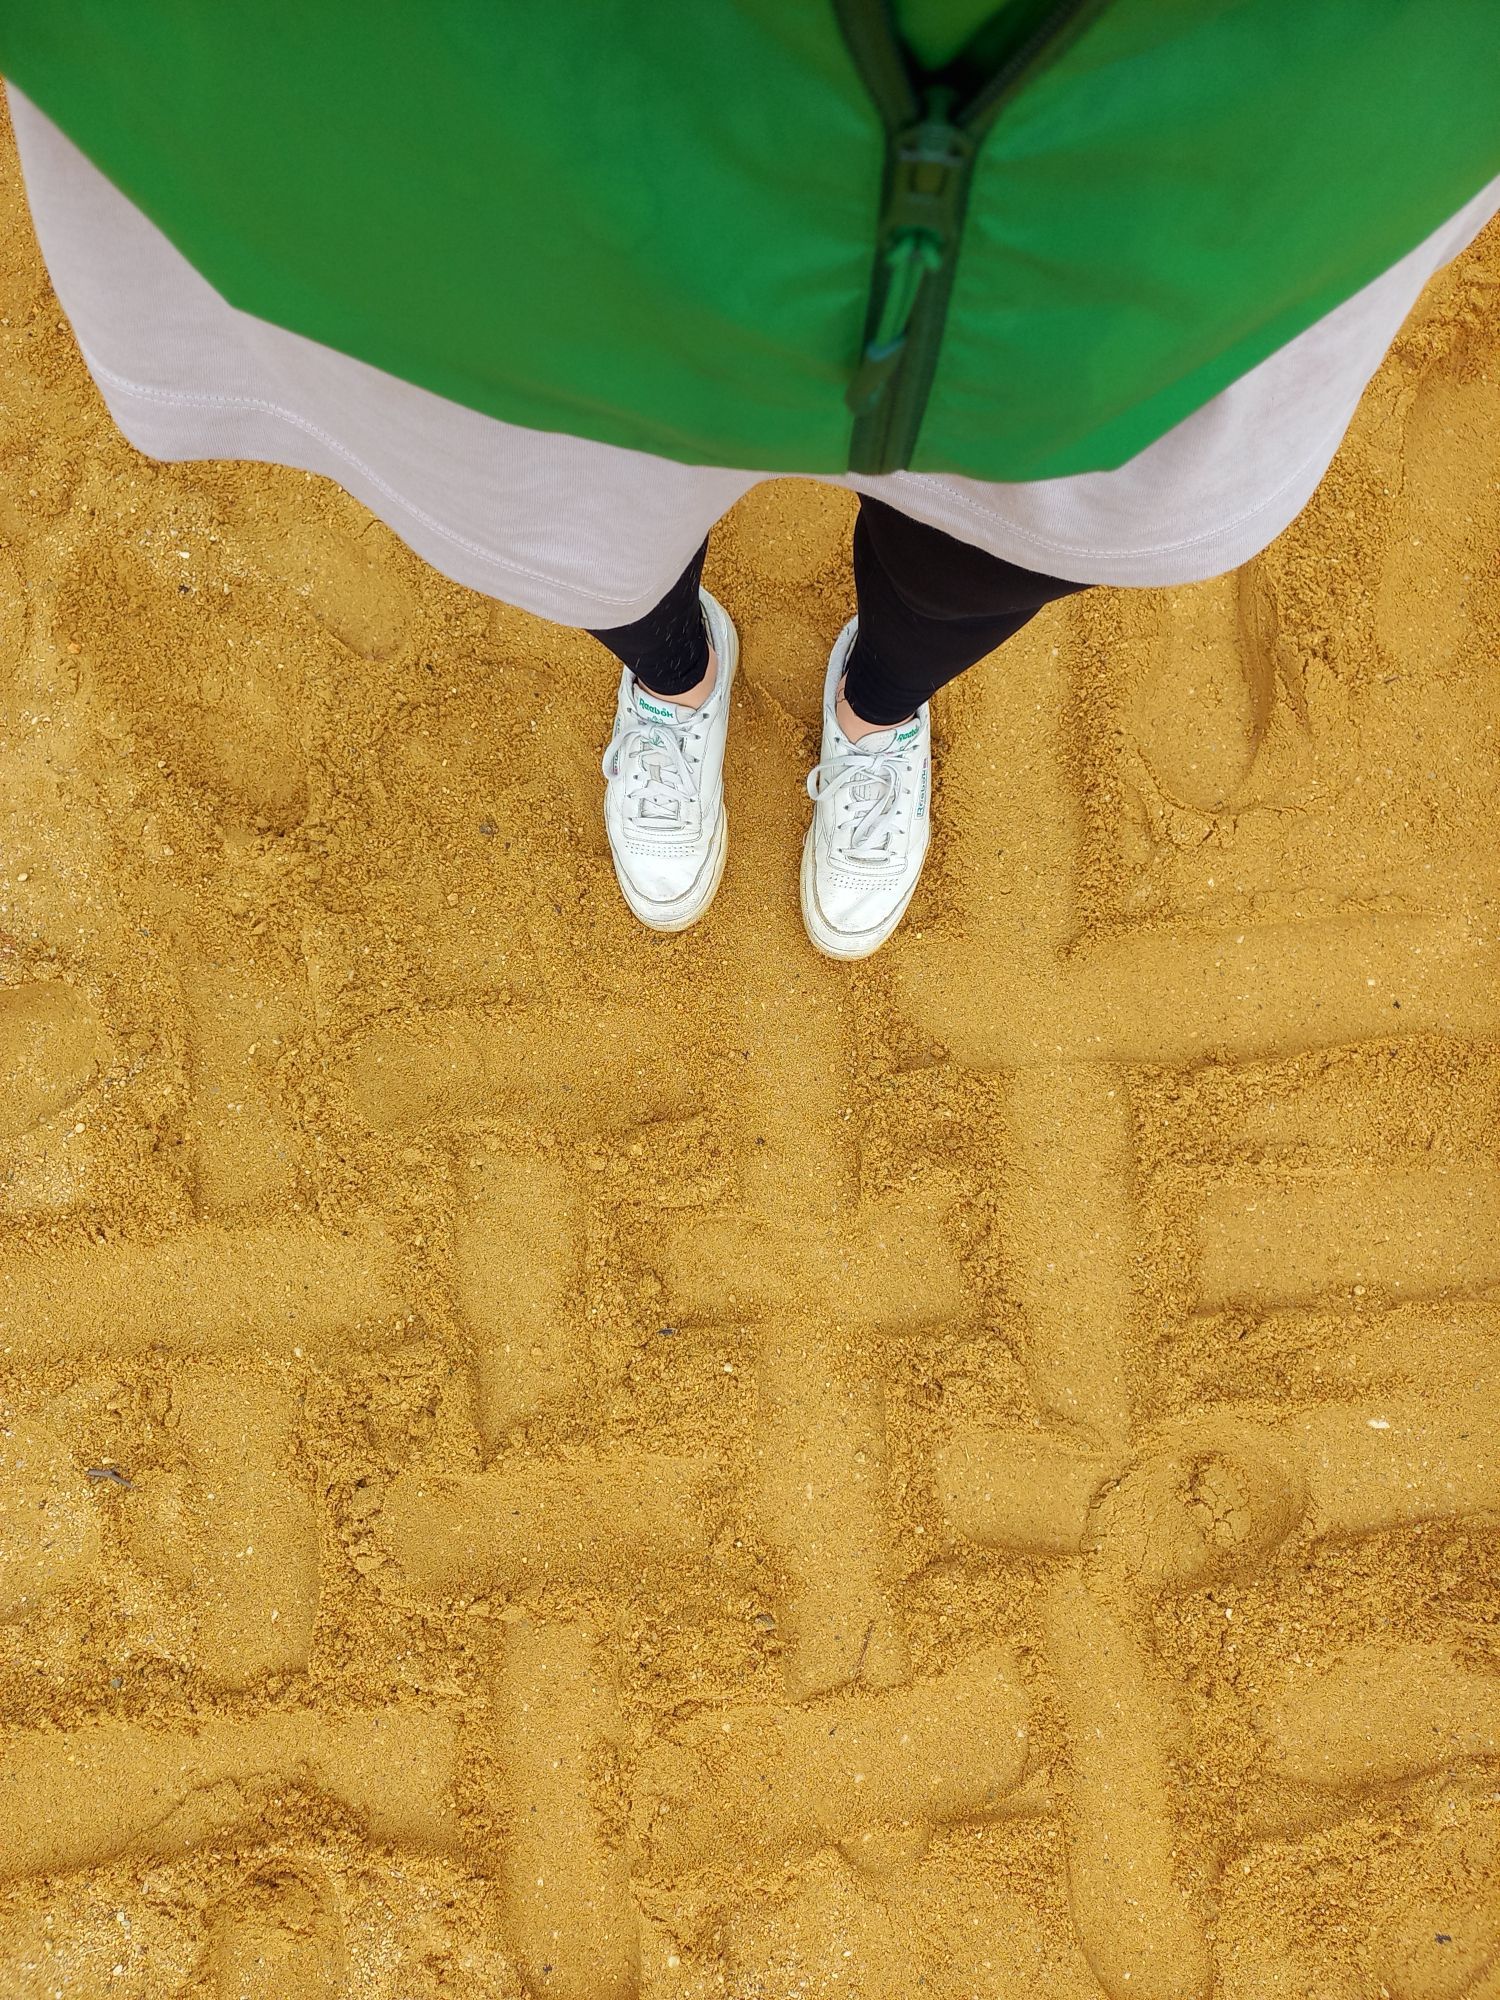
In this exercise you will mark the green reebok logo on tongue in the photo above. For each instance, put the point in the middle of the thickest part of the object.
(908, 734)
(657, 709)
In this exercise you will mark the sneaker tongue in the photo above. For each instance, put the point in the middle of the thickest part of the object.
(656, 708)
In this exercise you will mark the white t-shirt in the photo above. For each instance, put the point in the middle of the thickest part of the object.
(590, 534)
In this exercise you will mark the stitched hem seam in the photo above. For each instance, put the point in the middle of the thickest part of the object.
(192, 399)
(1142, 550)
(932, 483)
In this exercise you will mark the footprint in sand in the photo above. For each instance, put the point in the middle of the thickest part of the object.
(346, 566)
(230, 712)
(279, 1937)
(1219, 694)
(49, 1053)
(49, 1524)
(1429, 615)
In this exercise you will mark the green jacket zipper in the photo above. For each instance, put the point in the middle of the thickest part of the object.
(934, 129)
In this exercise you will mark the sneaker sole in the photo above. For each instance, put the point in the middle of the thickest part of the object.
(827, 941)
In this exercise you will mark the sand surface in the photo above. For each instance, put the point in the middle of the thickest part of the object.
(540, 1459)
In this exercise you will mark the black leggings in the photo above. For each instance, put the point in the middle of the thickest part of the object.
(929, 606)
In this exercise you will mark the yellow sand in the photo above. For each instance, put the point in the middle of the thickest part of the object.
(537, 1458)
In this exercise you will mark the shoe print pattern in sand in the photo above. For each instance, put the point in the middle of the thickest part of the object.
(539, 1459)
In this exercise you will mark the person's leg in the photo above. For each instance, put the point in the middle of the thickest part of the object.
(929, 606)
(668, 650)
(664, 810)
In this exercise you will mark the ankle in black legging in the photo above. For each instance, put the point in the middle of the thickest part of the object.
(929, 607)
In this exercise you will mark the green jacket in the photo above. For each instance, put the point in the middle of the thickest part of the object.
(797, 235)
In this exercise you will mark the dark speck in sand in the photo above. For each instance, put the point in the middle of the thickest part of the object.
(109, 1473)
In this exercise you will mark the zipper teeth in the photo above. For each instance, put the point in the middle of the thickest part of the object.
(991, 94)
(880, 55)
(884, 437)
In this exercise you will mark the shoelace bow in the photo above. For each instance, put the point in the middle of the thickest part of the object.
(659, 784)
(872, 781)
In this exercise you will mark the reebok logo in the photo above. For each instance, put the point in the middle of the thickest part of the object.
(654, 708)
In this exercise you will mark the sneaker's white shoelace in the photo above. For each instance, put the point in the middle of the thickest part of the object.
(871, 782)
(660, 787)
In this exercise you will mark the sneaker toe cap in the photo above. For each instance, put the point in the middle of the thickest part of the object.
(854, 910)
(665, 890)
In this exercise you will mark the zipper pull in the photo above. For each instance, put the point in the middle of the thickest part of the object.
(918, 229)
(907, 261)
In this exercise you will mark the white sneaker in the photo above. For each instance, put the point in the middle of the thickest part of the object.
(664, 799)
(868, 839)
